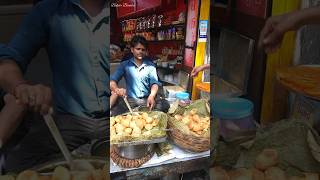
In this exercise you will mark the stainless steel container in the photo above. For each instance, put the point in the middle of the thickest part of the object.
(134, 151)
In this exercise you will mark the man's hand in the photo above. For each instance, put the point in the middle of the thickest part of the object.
(195, 71)
(120, 92)
(9, 99)
(273, 32)
(37, 97)
(151, 102)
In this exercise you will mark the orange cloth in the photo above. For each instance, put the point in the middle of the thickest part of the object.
(204, 86)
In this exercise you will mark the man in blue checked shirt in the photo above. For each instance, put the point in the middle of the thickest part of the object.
(75, 35)
(141, 80)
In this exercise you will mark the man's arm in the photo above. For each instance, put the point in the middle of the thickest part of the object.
(10, 75)
(113, 85)
(116, 77)
(15, 57)
(273, 32)
(151, 102)
(10, 117)
(196, 70)
(307, 16)
(154, 90)
(154, 87)
(37, 97)
(116, 90)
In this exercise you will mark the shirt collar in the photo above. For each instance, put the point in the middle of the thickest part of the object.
(144, 63)
(103, 15)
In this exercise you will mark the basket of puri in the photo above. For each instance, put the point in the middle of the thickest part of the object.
(132, 137)
(85, 168)
(190, 126)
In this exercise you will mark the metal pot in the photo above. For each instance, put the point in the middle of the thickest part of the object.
(134, 151)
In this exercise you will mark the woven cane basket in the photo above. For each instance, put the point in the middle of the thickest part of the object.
(188, 141)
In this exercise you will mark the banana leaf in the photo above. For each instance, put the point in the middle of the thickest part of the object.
(158, 131)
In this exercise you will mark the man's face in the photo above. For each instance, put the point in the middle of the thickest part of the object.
(138, 51)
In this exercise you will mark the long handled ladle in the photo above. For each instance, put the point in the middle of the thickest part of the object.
(127, 103)
(81, 165)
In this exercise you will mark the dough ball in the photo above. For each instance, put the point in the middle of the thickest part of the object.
(155, 122)
(197, 127)
(148, 127)
(119, 128)
(178, 117)
(186, 120)
(274, 173)
(81, 175)
(196, 118)
(139, 123)
(28, 175)
(218, 173)
(149, 120)
(61, 173)
(267, 158)
(311, 176)
(256, 174)
(125, 122)
(128, 130)
(193, 111)
(7, 177)
(112, 121)
(240, 174)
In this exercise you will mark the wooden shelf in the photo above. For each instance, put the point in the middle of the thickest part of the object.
(165, 41)
(170, 25)
(155, 28)
(168, 69)
(157, 41)
(169, 82)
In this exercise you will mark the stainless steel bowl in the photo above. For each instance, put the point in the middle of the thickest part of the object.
(134, 151)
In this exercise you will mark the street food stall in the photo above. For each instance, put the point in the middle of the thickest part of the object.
(152, 144)
(89, 159)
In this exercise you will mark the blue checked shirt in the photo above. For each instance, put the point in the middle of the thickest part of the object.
(138, 79)
(78, 49)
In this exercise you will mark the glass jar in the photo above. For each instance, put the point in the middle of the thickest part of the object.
(179, 33)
